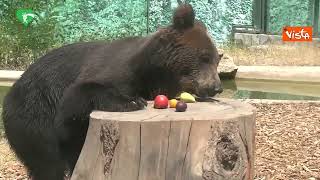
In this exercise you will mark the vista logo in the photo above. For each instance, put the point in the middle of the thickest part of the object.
(25, 16)
(297, 33)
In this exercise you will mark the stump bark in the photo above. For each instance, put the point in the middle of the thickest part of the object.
(211, 140)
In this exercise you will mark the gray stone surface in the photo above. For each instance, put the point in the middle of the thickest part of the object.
(255, 39)
(226, 68)
(227, 65)
(285, 73)
(7, 75)
(247, 39)
(263, 39)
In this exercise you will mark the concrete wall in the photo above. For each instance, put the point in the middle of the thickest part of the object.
(247, 39)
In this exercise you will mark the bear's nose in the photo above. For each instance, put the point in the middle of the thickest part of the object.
(214, 91)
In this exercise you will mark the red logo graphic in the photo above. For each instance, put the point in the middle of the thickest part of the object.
(294, 34)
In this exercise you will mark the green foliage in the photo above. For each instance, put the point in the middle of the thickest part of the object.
(287, 13)
(19, 45)
(63, 22)
(219, 16)
(160, 13)
(83, 20)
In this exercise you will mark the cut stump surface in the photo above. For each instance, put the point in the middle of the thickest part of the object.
(210, 141)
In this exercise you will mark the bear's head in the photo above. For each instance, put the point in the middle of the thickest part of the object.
(186, 56)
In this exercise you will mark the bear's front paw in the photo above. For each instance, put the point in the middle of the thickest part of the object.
(137, 103)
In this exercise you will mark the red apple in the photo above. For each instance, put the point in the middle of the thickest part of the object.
(161, 102)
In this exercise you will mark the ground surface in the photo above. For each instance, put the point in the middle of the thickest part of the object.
(288, 141)
(288, 144)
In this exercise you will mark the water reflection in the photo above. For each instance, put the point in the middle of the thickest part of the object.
(265, 89)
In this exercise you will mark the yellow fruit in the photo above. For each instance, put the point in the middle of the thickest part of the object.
(173, 103)
(187, 98)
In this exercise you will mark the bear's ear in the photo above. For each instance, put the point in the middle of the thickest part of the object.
(183, 17)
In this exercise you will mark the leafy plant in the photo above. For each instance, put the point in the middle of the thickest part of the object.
(20, 45)
(82, 20)
(63, 22)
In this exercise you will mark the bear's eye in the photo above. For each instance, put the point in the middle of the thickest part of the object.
(185, 72)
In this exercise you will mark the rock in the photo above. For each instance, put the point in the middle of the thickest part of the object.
(227, 69)
(255, 39)
(264, 39)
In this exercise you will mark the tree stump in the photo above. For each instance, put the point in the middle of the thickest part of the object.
(209, 141)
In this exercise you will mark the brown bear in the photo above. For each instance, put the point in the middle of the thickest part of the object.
(46, 113)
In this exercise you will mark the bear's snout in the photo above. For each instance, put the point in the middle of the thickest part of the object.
(208, 83)
(209, 91)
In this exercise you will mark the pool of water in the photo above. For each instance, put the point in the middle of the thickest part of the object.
(249, 89)
(265, 89)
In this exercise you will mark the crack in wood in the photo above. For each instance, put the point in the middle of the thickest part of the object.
(212, 170)
(206, 173)
(165, 170)
(244, 175)
(139, 152)
(185, 156)
(97, 159)
(227, 152)
(244, 141)
(152, 117)
(214, 173)
(109, 136)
